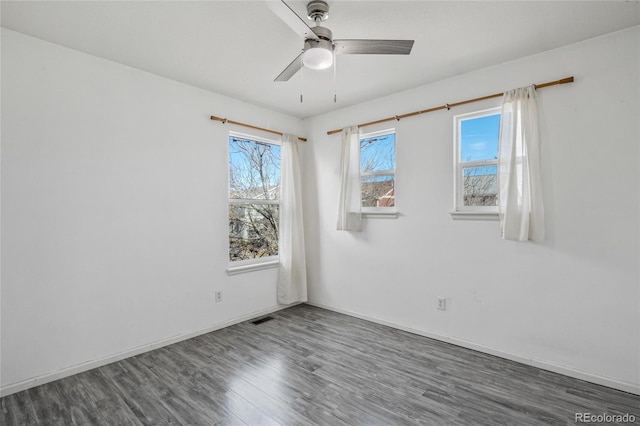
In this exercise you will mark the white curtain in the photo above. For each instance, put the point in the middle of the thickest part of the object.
(292, 269)
(349, 204)
(519, 175)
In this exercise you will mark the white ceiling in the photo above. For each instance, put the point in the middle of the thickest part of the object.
(237, 48)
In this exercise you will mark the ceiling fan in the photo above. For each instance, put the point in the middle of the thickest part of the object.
(319, 45)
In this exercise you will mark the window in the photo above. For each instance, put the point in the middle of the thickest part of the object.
(377, 170)
(476, 162)
(254, 198)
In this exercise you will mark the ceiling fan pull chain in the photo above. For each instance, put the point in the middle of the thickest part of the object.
(335, 96)
(301, 80)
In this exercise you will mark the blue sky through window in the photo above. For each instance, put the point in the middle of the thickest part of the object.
(378, 153)
(479, 138)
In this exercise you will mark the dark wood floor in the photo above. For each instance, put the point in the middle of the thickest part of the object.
(309, 366)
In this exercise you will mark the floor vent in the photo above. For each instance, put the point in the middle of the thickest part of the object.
(261, 320)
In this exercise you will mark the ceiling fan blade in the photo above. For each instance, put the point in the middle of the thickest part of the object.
(297, 24)
(291, 69)
(372, 47)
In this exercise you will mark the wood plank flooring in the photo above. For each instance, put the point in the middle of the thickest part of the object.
(310, 366)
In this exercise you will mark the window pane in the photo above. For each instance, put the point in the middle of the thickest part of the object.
(254, 170)
(480, 186)
(378, 191)
(479, 138)
(253, 231)
(378, 153)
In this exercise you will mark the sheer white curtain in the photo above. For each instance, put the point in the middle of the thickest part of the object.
(519, 175)
(292, 270)
(349, 204)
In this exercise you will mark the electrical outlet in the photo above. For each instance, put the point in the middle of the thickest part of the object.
(442, 303)
(218, 296)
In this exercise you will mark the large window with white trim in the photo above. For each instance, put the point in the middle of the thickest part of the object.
(254, 198)
(377, 170)
(476, 161)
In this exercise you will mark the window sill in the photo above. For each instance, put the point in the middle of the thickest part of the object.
(380, 214)
(243, 266)
(474, 215)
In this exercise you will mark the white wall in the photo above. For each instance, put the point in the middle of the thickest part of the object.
(114, 214)
(571, 304)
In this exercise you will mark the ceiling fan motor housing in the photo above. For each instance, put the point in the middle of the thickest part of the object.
(322, 44)
(323, 33)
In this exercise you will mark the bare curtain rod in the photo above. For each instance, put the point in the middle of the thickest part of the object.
(455, 104)
(224, 120)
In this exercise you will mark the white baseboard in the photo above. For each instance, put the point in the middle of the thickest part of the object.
(89, 365)
(543, 365)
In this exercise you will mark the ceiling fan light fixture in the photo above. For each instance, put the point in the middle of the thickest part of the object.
(317, 58)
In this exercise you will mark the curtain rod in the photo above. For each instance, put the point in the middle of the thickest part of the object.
(449, 106)
(224, 121)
